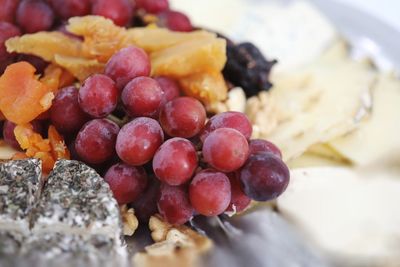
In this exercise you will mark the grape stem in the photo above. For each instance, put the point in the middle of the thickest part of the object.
(120, 122)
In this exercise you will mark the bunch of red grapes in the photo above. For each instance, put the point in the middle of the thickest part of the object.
(154, 147)
(30, 16)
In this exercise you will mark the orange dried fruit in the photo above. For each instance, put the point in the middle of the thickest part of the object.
(47, 161)
(187, 58)
(207, 87)
(29, 140)
(58, 147)
(81, 68)
(45, 45)
(22, 96)
(47, 150)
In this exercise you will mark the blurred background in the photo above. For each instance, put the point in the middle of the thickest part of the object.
(386, 10)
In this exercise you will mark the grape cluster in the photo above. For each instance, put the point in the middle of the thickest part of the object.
(156, 149)
(30, 16)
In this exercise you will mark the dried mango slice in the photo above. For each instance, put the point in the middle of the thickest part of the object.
(207, 87)
(102, 38)
(22, 96)
(58, 147)
(193, 56)
(81, 68)
(155, 39)
(45, 45)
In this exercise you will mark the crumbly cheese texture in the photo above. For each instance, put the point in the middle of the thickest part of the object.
(77, 200)
(20, 186)
(73, 218)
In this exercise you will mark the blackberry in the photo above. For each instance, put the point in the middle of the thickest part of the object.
(248, 68)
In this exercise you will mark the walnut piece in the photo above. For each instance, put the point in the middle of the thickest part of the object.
(129, 220)
(175, 246)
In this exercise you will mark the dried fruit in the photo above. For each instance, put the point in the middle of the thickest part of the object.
(192, 56)
(22, 96)
(58, 148)
(208, 87)
(101, 37)
(34, 145)
(247, 67)
(156, 39)
(81, 68)
(45, 45)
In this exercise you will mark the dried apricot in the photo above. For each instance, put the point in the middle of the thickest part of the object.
(22, 96)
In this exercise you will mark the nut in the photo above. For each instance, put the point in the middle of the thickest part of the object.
(175, 246)
(129, 220)
(158, 228)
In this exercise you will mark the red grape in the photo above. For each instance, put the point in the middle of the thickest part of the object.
(239, 200)
(9, 136)
(34, 16)
(175, 161)
(169, 87)
(119, 11)
(126, 182)
(7, 30)
(65, 113)
(210, 192)
(8, 10)
(182, 117)
(264, 177)
(126, 64)
(95, 142)
(175, 21)
(142, 97)
(153, 6)
(71, 8)
(225, 149)
(98, 96)
(260, 145)
(146, 205)
(174, 205)
(139, 140)
(230, 119)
